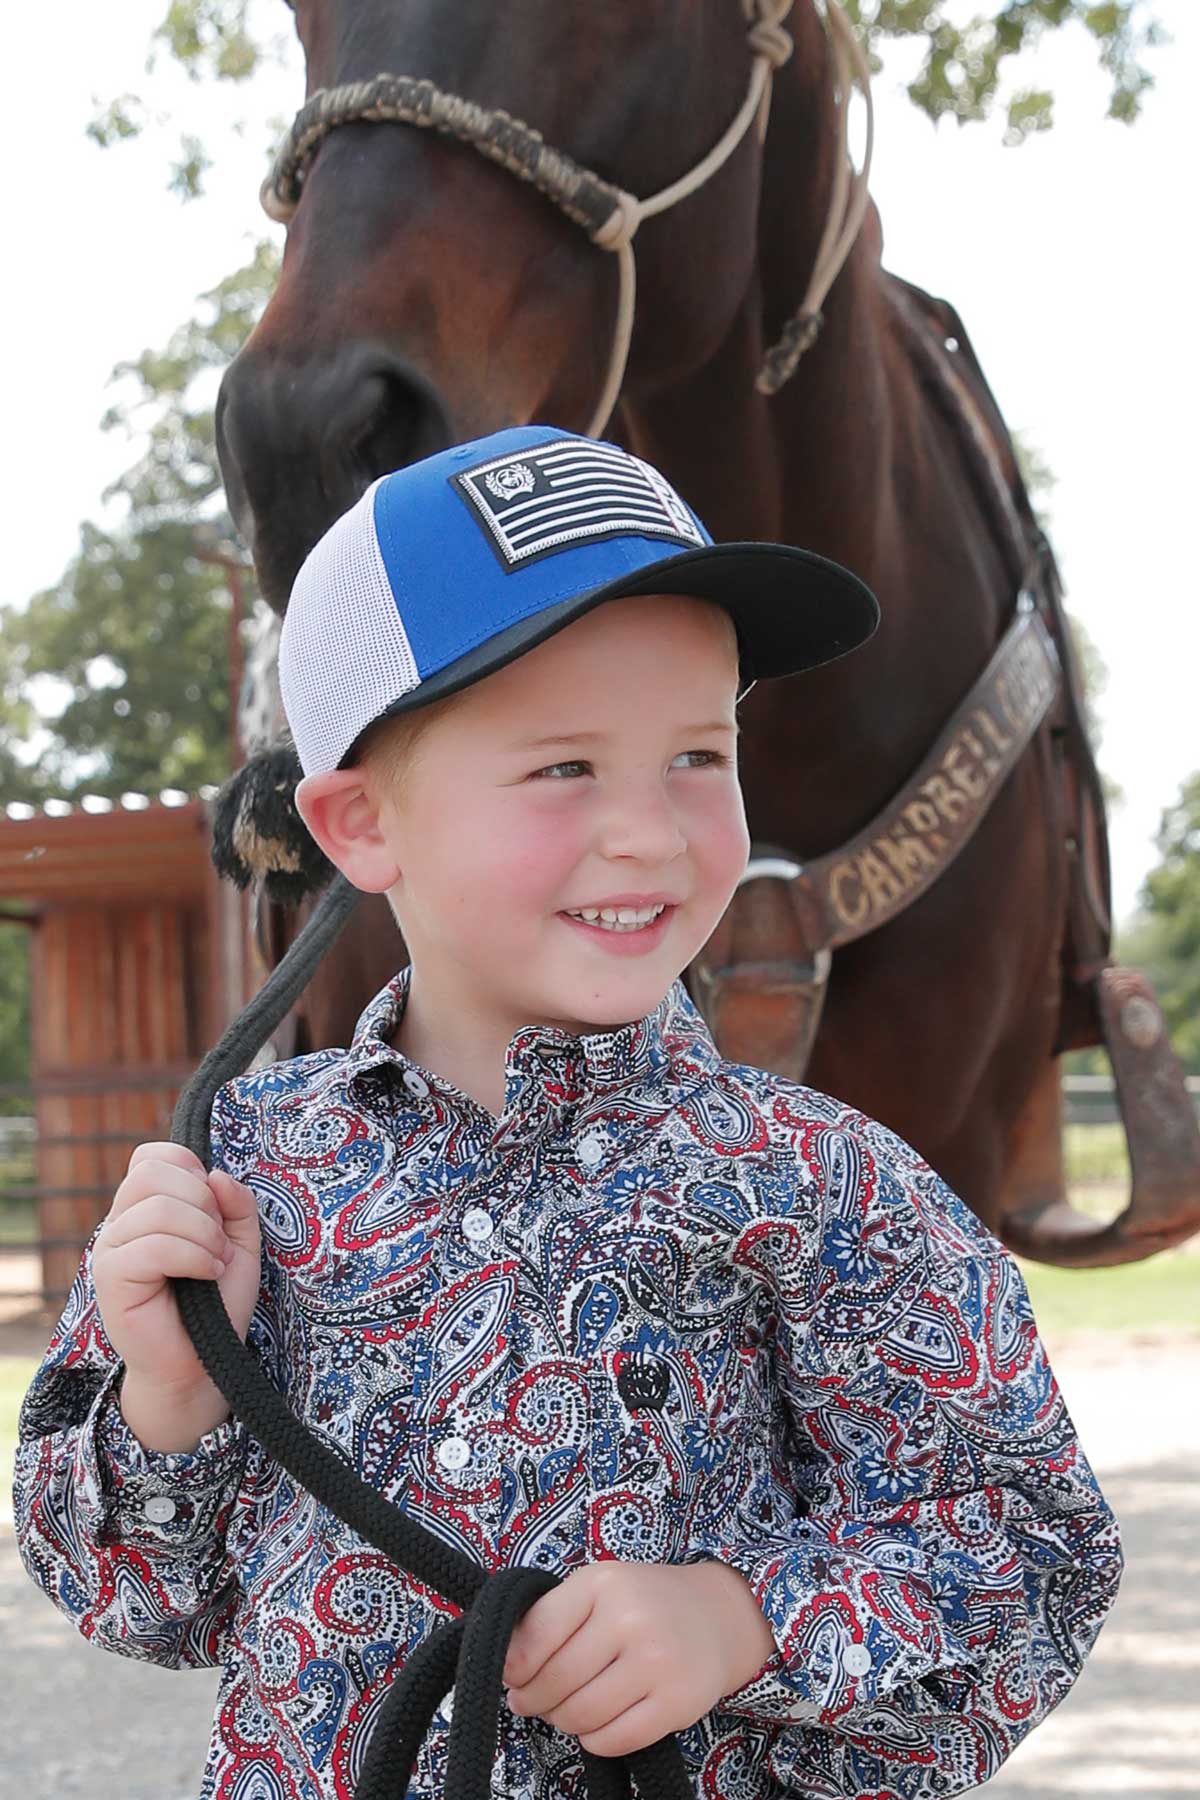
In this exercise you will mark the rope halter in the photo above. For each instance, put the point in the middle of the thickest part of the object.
(610, 215)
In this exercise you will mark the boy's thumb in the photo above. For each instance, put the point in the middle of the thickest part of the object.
(239, 1208)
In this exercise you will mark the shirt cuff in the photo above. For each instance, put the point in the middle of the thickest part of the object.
(848, 1629)
(154, 1499)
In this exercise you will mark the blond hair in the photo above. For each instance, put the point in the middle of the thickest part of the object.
(386, 749)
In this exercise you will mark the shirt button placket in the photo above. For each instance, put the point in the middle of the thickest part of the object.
(478, 1225)
(590, 1149)
(453, 1453)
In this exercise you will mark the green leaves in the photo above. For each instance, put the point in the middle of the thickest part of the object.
(1168, 933)
(210, 37)
(137, 632)
(121, 119)
(966, 65)
(137, 637)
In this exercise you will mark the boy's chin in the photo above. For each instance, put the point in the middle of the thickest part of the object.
(621, 1002)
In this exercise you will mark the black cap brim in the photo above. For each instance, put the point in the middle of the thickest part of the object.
(793, 611)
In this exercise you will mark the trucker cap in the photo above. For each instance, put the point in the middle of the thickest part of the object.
(448, 569)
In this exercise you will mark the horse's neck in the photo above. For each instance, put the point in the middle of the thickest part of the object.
(821, 436)
(845, 460)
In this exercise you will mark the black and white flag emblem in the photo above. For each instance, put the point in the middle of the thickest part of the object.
(567, 492)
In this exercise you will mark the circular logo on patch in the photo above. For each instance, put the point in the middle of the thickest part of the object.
(511, 480)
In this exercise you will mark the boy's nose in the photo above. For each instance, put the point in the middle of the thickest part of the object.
(643, 829)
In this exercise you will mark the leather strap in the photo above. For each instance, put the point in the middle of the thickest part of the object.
(912, 842)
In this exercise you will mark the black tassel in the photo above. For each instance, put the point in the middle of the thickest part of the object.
(258, 835)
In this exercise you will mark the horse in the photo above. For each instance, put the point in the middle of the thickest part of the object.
(427, 296)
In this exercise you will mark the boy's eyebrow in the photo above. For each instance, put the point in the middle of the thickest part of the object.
(592, 737)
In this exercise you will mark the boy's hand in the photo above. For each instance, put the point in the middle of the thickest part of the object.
(170, 1216)
(623, 1653)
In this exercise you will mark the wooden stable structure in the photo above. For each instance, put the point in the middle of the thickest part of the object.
(139, 958)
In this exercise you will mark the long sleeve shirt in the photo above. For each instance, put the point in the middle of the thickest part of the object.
(663, 1308)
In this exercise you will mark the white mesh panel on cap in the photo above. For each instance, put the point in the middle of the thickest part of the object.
(344, 655)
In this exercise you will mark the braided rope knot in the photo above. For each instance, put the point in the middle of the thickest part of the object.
(768, 37)
(618, 229)
(781, 360)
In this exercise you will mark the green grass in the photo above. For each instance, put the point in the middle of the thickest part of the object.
(16, 1373)
(18, 1223)
(1160, 1294)
(1095, 1153)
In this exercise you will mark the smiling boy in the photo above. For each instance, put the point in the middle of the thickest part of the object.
(554, 1276)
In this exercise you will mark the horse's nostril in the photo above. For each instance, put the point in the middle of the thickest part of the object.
(300, 442)
(388, 422)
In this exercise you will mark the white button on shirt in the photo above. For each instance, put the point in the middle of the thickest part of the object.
(856, 1659)
(453, 1453)
(590, 1151)
(477, 1225)
(416, 1084)
(159, 1508)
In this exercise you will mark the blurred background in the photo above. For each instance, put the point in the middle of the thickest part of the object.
(1031, 165)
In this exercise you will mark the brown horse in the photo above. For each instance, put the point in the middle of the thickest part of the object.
(426, 296)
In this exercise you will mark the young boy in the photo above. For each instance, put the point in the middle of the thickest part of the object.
(544, 1268)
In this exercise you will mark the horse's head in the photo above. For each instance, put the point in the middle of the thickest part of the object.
(426, 294)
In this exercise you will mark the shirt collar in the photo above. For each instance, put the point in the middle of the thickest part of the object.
(558, 1069)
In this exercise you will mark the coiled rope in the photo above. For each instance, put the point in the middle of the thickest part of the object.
(466, 1653)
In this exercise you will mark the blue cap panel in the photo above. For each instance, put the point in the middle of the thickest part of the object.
(496, 539)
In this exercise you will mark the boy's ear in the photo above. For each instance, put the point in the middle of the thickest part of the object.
(344, 820)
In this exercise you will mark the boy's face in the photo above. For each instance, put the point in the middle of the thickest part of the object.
(595, 773)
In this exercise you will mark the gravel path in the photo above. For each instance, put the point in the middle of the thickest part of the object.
(81, 1721)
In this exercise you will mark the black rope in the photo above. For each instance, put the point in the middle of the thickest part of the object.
(467, 1653)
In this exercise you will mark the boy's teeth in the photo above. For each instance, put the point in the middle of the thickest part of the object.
(618, 918)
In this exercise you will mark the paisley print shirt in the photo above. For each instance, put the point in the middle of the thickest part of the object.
(663, 1308)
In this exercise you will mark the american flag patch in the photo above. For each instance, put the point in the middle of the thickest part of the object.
(566, 492)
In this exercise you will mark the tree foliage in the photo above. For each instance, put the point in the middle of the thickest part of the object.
(964, 65)
(963, 73)
(1166, 937)
(137, 632)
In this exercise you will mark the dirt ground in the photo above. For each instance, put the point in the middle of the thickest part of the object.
(80, 1721)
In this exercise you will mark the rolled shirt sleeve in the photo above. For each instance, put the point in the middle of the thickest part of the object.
(950, 1558)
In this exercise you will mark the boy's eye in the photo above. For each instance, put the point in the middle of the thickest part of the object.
(556, 769)
(702, 759)
(711, 758)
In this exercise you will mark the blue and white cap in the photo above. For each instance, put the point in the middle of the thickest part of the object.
(448, 569)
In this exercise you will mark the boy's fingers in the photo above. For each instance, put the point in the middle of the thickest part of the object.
(146, 1260)
(588, 1655)
(154, 1177)
(162, 1215)
(547, 1625)
(168, 1153)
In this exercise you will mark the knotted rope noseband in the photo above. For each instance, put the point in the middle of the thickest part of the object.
(467, 1653)
(609, 214)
